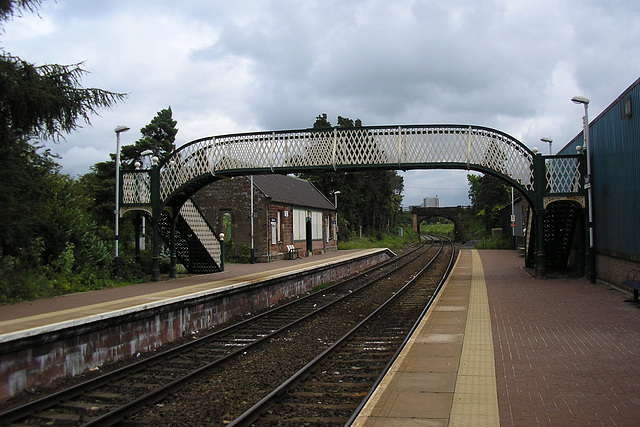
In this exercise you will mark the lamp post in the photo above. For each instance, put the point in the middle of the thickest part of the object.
(513, 221)
(540, 185)
(118, 130)
(335, 205)
(221, 240)
(144, 156)
(591, 256)
(549, 141)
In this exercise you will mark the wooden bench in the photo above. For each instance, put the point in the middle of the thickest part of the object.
(633, 281)
(292, 250)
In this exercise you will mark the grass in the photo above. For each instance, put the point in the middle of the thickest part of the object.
(438, 229)
(381, 240)
(318, 288)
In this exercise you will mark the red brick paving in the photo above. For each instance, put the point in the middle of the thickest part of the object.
(567, 352)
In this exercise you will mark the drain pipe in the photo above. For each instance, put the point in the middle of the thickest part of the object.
(253, 252)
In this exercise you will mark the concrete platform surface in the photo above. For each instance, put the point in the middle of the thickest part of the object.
(501, 348)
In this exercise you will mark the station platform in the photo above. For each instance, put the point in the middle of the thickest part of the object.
(502, 348)
(497, 348)
(40, 316)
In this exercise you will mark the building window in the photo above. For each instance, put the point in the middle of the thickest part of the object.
(316, 222)
(279, 226)
(226, 224)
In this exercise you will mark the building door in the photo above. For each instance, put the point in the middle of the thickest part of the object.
(309, 236)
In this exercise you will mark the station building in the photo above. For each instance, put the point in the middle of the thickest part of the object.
(287, 211)
(614, 142)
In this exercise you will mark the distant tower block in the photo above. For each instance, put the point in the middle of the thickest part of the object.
(431, 202)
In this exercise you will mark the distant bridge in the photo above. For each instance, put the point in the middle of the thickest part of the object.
(453, 213)
(168, 185)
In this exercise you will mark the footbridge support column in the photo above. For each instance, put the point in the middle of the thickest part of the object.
(155, 221)
(173, 270)
(540, 186)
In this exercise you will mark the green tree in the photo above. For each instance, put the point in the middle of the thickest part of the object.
(158, 136)
(36, 103)
(23, 180)
(8, 8)
(47, 242)
(45, 101)
(322, 122)
(99, 187)
(99, 184)
(368, 199)
(488, 196)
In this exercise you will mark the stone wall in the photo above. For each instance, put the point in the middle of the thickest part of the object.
(233, 196)
(37, 360)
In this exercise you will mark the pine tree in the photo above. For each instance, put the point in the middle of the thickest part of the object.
(369, 199)
(158, 136)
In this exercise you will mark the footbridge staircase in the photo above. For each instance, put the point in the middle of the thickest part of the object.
(196, 246)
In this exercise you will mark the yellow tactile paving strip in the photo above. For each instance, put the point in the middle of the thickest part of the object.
(475, 401)
(53, 320)
(445, 376)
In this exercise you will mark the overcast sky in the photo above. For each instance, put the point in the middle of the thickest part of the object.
(240, 66)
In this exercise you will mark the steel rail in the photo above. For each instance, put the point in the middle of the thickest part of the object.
(253, 413)
(76, 391)
(161, 393)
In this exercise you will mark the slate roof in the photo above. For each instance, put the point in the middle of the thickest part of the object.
(290, 190)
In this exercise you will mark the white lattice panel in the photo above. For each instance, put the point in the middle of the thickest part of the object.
(562, 174)
(188, 163)
(136, 188)
(200, 228)
(393, 147)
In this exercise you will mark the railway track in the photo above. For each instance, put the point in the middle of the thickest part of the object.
(110, 398)
(332, 388)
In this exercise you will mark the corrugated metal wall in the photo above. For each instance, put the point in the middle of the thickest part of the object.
(615, 144)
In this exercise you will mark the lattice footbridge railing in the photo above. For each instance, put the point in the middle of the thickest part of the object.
(388, 147)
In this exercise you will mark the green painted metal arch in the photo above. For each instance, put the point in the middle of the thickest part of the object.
(169, 184)
(386, 147)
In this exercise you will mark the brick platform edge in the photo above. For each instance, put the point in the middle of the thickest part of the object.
(38, 360)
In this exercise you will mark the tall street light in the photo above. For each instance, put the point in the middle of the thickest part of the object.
(335, 205)
(549, 141)
(585, 122)
(118, 130)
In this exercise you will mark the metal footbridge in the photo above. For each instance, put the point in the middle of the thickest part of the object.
(164, 190)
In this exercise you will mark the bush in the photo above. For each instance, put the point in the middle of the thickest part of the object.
(25, 277)
(494, 243)
(236, 254)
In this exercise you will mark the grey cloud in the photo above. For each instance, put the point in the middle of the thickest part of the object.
(259, 65)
